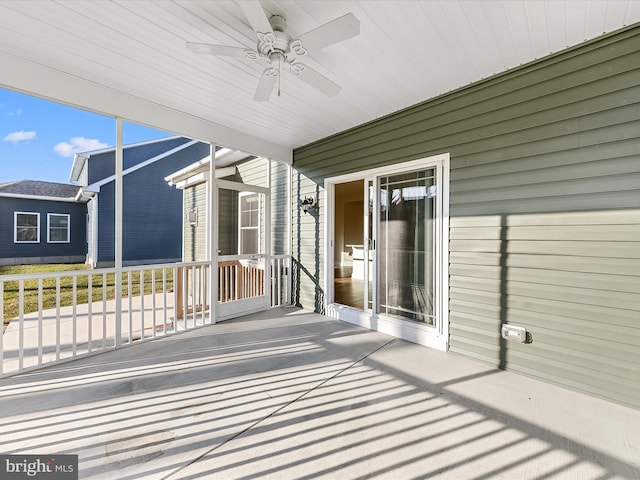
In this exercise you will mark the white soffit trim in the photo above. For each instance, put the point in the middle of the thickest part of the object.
(78, 163)
(199, 174)
(188, 171)
(224, 166)
(39, 80)
(38, 197)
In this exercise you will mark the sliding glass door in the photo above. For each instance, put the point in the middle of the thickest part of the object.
(389, 245)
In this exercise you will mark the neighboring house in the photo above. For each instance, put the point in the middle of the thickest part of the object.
(152, 218)
(252, 228)
(41, 222)
(235, 231)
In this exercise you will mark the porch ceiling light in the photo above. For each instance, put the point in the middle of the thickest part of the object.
(307, 203)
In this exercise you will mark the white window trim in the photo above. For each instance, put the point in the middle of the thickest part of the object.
(15, 227)
(256, 228)
(432, 336)
(49, 215)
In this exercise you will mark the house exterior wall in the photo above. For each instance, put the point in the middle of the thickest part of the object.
(12, 253)
(152, 213)
(544, 211)
(227, 222)
(102, 165)
(195, 233)
(252, 172)
(280, 209)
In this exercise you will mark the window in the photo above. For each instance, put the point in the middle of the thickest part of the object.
(249, 223)
(27, 227)
(58, 231)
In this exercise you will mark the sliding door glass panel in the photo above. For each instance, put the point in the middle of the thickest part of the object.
(406, 245)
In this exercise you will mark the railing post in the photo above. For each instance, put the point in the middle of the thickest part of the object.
(21, 324)
(2, 336)
(266, 284)
(89, 312)
(153, 301)
(212, 223)
(40, 321)
(141, 279)
(57, 318)
(104, 310)
(130, 307)
(74, 317)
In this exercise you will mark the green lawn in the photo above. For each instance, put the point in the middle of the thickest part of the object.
(11, 289)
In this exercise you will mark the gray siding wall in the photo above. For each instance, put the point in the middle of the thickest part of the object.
(544, 216)
(280, 209)
(228, 222)
(195, 236)
(252, 173)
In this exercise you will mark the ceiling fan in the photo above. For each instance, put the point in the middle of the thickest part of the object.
(280, 50)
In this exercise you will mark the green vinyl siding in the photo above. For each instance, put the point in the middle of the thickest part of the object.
(253, 172)
(280, 209)
(544, 211)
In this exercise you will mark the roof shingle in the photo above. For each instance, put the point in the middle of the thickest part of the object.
(39, 188)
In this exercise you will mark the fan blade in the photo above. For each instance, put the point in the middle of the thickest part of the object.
(315, 79)
(266, 84)
(256, 16)
(221, 50)
(335, 31)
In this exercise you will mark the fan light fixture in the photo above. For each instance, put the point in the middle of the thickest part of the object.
(275, 45)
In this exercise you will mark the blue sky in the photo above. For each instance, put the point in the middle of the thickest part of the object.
(38, 138)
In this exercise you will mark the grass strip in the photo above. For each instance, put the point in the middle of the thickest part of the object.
(12, 290)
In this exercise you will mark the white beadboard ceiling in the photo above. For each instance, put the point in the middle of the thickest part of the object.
(407, 51)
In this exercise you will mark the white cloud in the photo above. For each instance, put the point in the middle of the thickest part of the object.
(17, 113)
(21, 136)
(78, 144)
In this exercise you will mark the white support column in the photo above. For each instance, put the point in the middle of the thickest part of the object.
(290, 209)
(267, 240)
(212, 223)
(118, 233)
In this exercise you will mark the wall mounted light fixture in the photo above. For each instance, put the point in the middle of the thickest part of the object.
(307, 203)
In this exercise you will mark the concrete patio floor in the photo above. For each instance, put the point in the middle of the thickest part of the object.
(291, 394)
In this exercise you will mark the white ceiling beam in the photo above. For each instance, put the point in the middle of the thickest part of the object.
(38, 80)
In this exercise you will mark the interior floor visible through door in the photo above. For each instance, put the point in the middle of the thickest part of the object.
(347, 291)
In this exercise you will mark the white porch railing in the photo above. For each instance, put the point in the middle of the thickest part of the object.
(65, 315)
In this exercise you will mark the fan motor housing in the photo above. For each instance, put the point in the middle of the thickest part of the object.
(282, 42)
(278, 23)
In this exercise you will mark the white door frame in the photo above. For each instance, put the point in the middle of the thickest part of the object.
(432, 336)
(255, 304)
